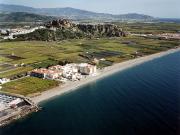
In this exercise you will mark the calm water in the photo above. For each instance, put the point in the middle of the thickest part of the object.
(142, 100)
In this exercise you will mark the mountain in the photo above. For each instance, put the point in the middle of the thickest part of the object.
(23, 17)
(72, 13)
(171, 20)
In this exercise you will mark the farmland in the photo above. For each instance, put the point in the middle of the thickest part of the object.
(41, 54)
(19, 57)
(28, 86)
(150, 28)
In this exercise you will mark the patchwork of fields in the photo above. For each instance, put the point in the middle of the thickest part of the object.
(19, 57)
(37, 53)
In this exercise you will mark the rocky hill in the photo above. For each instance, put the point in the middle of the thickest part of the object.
(65, 29)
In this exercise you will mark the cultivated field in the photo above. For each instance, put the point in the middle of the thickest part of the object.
(41, 54)
(19, 57)
(28, 86)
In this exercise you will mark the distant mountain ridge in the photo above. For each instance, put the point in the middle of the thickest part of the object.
(24, 17)
(72, 13)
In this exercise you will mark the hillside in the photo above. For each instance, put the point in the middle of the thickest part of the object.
(75, 14)
(23, 17)
(65, 29)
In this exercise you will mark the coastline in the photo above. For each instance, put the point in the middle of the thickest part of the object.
(71, 86)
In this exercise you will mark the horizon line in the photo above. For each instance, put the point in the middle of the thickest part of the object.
(89, 11)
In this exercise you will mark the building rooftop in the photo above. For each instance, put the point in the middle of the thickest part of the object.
(6, 98)
(45, 71)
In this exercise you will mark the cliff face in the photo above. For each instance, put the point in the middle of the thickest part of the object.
(104, 30)
(108, 30)
(64, 29)
(59, 23)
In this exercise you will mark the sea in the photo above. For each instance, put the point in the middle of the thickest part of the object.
(143, 100)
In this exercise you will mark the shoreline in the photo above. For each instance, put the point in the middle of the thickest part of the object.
(107, 71)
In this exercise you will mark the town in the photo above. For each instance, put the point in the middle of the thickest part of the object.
(71, 72)
(41, 60)
(13, 107)
(166, 36)
(89, 67)
(11, 33)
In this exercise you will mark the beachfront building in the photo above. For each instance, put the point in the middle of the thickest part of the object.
(46, 73)
(40, 73)
(53, 74)
(87, 69)
(57, 67)
(71, 71)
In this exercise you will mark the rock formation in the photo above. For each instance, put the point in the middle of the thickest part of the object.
(65, 29)
(94, 30)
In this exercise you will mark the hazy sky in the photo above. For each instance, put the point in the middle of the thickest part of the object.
(157, 8)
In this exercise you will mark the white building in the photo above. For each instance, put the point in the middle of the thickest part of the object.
(2, 106)
(46, 73)
(20, 31)
(4, 80)
(15, 102)
(69, 71)
(85, 68)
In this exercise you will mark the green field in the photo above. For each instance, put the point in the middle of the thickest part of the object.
(15, 72)
(41, 54)
(150, 28)
(37, 54)
(28, 86)
(37, 51)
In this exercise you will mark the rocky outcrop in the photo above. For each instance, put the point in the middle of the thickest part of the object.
(59, 23)
(108, 30)
(94, 30)
(65, 29)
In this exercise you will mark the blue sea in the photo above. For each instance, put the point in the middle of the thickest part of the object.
(143, 100)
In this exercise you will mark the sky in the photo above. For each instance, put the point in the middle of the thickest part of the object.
(156, 8)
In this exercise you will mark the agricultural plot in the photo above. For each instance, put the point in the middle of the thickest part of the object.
(15, 73)
(5, 67)
(36, 54)
(28, 86)
(155, 28)
(41, 54)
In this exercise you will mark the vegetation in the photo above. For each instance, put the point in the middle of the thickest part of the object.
(28, 85)
(23, 17)
(15, 73)
(50, 35)
(44, 54)
(37, 54)
(46, 63)
(150, 28)
(75, 14)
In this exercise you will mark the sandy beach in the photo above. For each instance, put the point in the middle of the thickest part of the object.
(71, 86)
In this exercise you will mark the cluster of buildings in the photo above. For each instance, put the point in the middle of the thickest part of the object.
(11, 33)
(164, 35)
(169, 35)
(4, 80)
(7, 101)
(71, 72)
(14, 107)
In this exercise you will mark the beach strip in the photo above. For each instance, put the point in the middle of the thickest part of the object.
(71, 86)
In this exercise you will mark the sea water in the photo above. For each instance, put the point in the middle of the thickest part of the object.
(142, 100)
